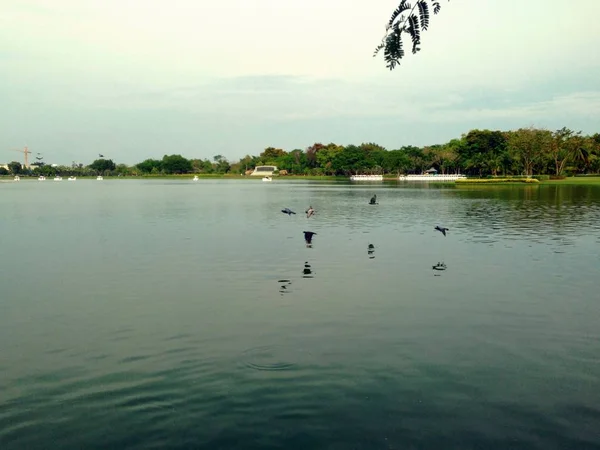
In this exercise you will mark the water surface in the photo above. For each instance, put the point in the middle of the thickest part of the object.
(178, 314)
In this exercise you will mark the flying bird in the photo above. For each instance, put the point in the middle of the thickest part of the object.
(308, 235)
(287, 211)
(442, 229)
(101, 156)
(309, 212)
(373, 200)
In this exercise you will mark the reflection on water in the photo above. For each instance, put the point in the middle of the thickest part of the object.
(284, 286)
(140, 332)
(440, 266)
(307, 271)
(371, 251)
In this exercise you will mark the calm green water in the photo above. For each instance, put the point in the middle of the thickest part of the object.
(173, 314)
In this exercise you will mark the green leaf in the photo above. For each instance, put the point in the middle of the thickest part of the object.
(404, 6)
(423, 13)
(415, 32)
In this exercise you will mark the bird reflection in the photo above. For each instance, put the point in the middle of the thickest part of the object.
(284, 284)
(440, 266)
(308, 273)
(371, 251)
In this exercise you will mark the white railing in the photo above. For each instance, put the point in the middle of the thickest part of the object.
(366, 178)
(445, 177)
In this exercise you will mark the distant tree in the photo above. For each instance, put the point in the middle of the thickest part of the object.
(103, 165)
(15, 167)
(148, 165)
(483, 150)
(527, 146)
(311, 154)
(561, 148)
(4, 171)
(222, 165)
(272, 153)
(397, 161)
(408, 19)
(176, 164)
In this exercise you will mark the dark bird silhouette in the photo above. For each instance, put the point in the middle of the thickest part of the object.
(101, 156)
(287, 211)
(373, 200)
(309, 212)
(442, 229)
(439, 266)
(308, 235)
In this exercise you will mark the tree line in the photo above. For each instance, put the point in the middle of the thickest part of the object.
(526, 151)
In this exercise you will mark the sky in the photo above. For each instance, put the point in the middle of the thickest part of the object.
(138, 79)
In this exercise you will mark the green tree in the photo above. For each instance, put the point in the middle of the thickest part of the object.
(406, 19)
(527, 147)
(561, 148)
(325, 156)
(148, 165)
(483, 151)
(311, 154)
(4, 171)
(272, 154)
(176, 164)
(15, 167)
(350, 160)
(397, 160)
(103, 165)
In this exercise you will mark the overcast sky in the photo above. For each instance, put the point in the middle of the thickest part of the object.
(134, 79)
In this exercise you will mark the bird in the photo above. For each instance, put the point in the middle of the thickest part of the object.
(308, 235)
(309, 212)
(373, 200)
(287, 211)
(101, 156)
(442, 229)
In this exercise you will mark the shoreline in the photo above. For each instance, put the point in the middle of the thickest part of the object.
(470, 182)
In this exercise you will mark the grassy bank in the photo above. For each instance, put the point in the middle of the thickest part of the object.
(497, 181)
(595, 180)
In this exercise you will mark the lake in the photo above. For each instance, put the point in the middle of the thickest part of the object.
(146, 314)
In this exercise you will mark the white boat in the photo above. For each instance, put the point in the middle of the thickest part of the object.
(57, 178)
(267, 179)
(72, 178)
(195, 178)
(366, 178)
(433, 177)
(17, 178)
(99, 178)
(41, 178)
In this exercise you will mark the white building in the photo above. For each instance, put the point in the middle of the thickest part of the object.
(263, 171)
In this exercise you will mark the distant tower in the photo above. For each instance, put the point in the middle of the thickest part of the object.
(25, 152)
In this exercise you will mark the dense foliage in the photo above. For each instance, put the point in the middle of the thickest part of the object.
(526, 151)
